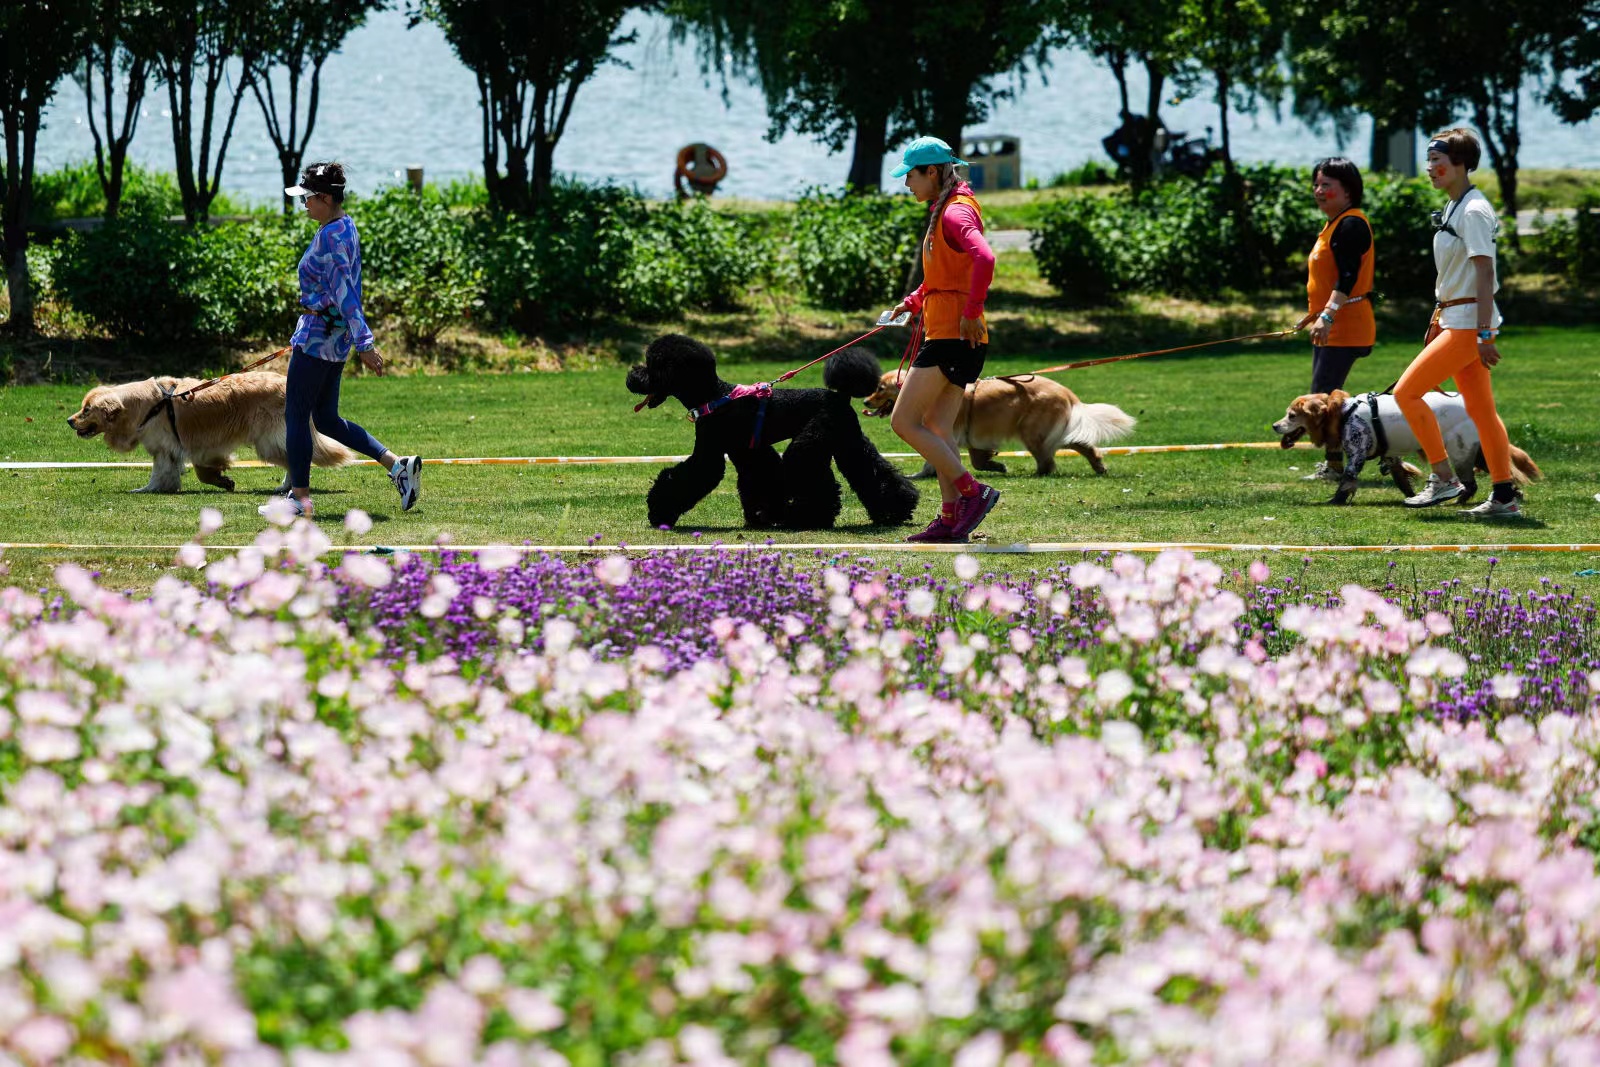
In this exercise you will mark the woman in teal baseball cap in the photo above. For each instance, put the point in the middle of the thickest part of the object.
(957, 267)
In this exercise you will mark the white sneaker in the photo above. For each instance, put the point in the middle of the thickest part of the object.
(407, 479)
(287, 508)
(1437, 491)
(1494, 509)
(1323, 472)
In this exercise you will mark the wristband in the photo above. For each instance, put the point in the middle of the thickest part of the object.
(1487, 336)
(1326, 316)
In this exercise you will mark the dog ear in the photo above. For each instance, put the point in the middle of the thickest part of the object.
(1313, 406)
(1338, 397)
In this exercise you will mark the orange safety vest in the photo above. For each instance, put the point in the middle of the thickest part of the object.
(1353, 324)
(947, 281)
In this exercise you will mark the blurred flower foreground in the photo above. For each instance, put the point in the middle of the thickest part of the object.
(748, 807)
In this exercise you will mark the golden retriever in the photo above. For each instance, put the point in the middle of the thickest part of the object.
(241, 409)
(1044, 415)
(1382, 433)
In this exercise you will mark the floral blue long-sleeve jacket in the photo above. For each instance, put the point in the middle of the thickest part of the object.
(330, 287)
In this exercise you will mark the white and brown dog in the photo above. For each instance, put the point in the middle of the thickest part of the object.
(1044, 415)
(241, 409)
(1371, 426)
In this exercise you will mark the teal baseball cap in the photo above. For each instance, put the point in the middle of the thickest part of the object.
(922, 152)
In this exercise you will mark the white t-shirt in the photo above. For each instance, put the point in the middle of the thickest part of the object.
(1475, 225)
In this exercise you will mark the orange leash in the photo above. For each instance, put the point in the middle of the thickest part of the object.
(1167, 351)
(187, 393)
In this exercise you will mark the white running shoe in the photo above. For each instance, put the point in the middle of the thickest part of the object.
(285, 509)
(407, 479)
(1323, 472)
(1437, 491)
(1494, 509)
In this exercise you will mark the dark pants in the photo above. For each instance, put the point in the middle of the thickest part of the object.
(1330, 368)
(1331, 365)
(313, 398)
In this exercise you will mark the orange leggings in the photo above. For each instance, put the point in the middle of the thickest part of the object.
(1454, 353)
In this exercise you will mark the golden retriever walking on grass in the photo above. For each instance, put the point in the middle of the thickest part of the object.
(1042, 414)
(241, 409)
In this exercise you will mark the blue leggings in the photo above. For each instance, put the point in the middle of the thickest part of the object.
(313, 398)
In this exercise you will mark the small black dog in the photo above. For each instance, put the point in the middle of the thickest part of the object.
(795, 490)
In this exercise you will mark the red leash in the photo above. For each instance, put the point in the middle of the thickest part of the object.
(1165, 351)
(786, 375)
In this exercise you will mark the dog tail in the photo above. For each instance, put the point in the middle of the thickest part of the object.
(1523, 468)
(852, 372)
(326, 452)
(1098, 424)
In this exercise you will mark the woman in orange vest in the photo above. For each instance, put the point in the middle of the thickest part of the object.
(957, 266)
(1338, 287)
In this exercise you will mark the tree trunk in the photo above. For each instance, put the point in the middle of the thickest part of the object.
(866, 159)
(948, 111)
(21, 133)
(1498, 125)
(1147, 159)
(1117, 60)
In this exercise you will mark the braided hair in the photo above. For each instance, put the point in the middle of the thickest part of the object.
(947, 188)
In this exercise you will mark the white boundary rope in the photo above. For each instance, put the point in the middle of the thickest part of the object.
(541, 461)
(866, 547)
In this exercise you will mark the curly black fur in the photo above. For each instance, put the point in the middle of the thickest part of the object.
(795, 490)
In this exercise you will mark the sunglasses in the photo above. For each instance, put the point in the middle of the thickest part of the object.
(1439, 224)
(303, 198)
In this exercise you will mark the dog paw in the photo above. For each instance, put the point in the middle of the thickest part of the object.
(1343, 497)
(227, 483)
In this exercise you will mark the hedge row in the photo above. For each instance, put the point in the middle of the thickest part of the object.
(1191, 238)
(589, 251)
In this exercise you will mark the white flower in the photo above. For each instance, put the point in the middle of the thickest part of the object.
(966, 567)
(210, 521)
(279, 511)
(192, 555)
(368, 571)
(357, 521)
(614, 570)
(1113, 687)
(1506, 686)
(920, 602)
(498, 557)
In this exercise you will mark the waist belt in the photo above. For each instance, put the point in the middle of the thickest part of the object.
(1439, 306)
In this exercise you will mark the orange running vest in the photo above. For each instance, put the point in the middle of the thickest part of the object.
(947, 281)
(1353, 324)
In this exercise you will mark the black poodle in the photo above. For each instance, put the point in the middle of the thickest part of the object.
(796, 489)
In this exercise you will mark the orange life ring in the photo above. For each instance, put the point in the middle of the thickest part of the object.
(701, 166)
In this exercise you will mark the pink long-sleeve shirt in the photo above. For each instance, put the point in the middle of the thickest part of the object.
(964, 230)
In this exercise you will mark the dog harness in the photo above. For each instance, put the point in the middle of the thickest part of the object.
(165, 403)
(1362, 436)
(761, 390)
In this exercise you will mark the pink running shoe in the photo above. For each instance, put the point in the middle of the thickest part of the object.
(971, 510)
(937, 532)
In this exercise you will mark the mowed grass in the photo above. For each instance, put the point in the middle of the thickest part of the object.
(1546, 385)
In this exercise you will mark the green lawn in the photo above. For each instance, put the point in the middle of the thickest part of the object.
(1547, 384)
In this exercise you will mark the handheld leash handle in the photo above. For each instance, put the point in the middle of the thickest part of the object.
(889, 318)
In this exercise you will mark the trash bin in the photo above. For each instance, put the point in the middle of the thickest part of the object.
(995, 161)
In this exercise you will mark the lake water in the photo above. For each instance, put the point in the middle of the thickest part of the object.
(395, 96)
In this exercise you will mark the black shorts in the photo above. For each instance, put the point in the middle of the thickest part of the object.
(1331, 365)
(961, 363)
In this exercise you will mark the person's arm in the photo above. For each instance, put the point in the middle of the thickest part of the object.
(1483, 271)
(342, 289)
(964, 232)
(1478, 229)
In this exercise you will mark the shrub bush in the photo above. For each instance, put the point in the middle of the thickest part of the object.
(1186, 236)
(416, 267)
(142, 275)
(853, 251)
(591, 250)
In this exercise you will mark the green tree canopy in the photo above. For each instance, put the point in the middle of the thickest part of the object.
(207, 47)
(530, 58)
(296, 39)
(869, 72)
(40, 42)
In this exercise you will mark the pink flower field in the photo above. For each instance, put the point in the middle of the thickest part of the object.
(709, 809)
